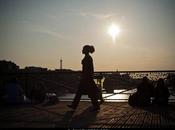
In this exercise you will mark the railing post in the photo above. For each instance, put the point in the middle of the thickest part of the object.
(26, 83)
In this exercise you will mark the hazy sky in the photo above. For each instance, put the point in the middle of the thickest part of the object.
(40, 32)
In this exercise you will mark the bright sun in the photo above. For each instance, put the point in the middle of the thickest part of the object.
(114, 31)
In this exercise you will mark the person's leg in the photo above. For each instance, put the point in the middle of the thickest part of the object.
(101, 97)
(95, 103)
(76, 100)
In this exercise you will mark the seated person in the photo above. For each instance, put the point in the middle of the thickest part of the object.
(2, 92)
(143, 95)
(161, 93)
(38, 93)
(13, 92)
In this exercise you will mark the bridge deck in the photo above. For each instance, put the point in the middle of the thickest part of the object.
(111, 115)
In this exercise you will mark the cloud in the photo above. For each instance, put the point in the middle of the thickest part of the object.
(43, 30)
(51, 33)
(97, 15)
(100, 16)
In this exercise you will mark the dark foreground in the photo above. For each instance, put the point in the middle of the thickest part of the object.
(111, 115)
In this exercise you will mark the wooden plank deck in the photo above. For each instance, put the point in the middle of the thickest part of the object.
(111, 115)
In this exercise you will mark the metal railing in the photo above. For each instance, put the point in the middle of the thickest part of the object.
(60, 80)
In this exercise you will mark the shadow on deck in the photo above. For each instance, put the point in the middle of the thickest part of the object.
(111, 115)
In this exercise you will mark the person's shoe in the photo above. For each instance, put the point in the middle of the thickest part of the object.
(72, 107)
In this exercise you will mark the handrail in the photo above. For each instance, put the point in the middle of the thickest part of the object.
(69, 72)
(26, 74)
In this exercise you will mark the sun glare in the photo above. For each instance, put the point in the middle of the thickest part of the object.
(114, 31)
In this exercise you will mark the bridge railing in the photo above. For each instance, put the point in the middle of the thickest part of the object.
(63, 83)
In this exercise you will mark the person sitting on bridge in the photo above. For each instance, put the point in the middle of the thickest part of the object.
(161, 93)
(143, 95)
(99, 85)
(13, 92)
(38, 93)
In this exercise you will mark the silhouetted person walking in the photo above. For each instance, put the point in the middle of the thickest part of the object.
(161, 93)
(87, 84)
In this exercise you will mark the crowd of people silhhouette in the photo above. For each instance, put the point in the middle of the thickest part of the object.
(12, 93)
(148, 94)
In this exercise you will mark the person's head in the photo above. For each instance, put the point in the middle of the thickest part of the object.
(160, 82)
(145, 79)
(88, 49)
